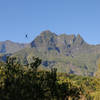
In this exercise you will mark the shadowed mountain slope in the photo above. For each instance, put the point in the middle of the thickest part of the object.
(11, 47)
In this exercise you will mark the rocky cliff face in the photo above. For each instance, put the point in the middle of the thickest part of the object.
(64, 44)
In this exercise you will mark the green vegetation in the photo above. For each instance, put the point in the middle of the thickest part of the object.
(27, 82)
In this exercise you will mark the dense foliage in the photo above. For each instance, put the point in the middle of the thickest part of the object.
(25, 82)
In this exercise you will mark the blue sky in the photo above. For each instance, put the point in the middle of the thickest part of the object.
(18, 17)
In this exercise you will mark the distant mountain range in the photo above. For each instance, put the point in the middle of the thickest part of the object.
(67, 53)
(11, 47)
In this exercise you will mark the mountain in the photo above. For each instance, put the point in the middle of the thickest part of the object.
(67, 53)
(63, 44)
(11, 47)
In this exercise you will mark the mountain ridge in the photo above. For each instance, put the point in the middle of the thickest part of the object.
(11, 47)
(67, 53)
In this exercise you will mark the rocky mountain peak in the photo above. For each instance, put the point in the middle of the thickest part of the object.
(79, 40)
(47, 33)
(45, 38)
(79, 37)
(49, 39)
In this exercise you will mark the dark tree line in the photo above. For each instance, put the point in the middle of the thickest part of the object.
(18, 82)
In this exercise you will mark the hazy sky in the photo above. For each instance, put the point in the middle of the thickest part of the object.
(18, 17)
